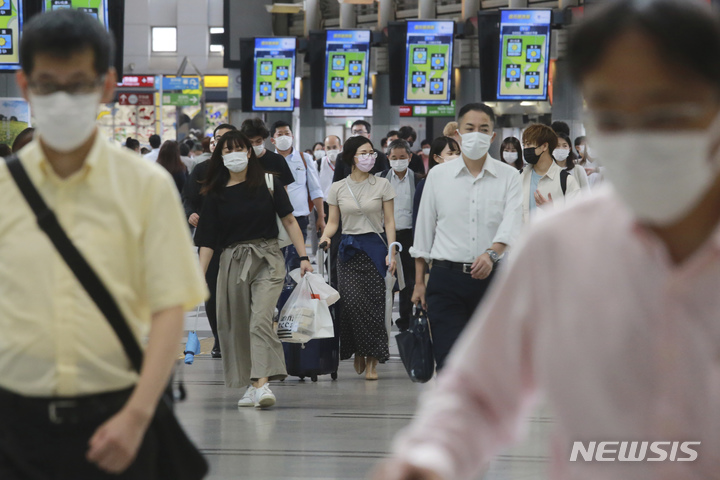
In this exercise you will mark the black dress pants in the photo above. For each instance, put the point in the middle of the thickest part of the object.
(210, 306)
(405, 237)
(34, 448)
(452, 297)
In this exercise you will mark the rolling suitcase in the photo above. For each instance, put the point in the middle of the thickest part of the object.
(317, 357)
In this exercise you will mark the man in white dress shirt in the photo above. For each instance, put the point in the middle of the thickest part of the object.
(305, 193)
(470, 212)
(333, 147)
(403, 181)
(155, 143)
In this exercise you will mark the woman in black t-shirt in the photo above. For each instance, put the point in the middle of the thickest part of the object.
(238, 218)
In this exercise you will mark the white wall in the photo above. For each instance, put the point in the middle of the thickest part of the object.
(193, 18)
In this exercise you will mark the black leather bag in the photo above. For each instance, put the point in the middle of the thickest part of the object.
(178, 457)
(416, 351)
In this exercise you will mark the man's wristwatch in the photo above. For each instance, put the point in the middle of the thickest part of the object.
(304, 259)
(493, 255)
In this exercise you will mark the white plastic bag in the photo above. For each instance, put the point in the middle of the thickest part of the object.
(306, 314)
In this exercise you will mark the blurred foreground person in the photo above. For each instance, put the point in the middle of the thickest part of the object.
(71, 405)
(637, 361)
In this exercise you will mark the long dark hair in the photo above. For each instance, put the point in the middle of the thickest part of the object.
(437, 146)
(515, 143)
(169, 157)
(351, 147)
(570, 162)
(218, 175)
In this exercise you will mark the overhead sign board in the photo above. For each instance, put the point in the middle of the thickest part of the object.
(181, 99)
(347, 53)
(274, 74)
(136, 99)
(180, 83)
(428, 66)
(133, 81)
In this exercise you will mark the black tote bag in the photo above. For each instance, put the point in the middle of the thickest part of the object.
(178, 458)
(415, 345)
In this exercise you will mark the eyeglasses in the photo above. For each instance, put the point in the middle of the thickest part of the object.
(359, 132)
(666, 117)
(372, 155)
(75, 88)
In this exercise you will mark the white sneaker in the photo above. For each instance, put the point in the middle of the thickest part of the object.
(264, 397)
(248, 400)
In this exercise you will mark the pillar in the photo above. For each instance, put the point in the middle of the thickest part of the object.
(312, 124)
(426, 10)
(469, 9)
(312, 16)
(348, 17)
(386, 13)
(386, 117)
(518, 4)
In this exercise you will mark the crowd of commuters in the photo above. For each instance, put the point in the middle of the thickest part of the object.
(474, 230)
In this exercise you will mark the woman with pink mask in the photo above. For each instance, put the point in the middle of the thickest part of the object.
(365, 203)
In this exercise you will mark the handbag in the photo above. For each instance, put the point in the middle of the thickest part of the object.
(283, 236)
(178, 458)
(416, 351)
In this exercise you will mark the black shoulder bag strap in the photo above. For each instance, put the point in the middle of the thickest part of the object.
(48, 223)
(178, 458)
(564, 174)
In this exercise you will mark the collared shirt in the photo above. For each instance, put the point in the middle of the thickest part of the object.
(549, 186)
(461, 216)
(124, 215)
(306, 180)
(638, 360)
(403, 205)
(153, 155)
(327, 171)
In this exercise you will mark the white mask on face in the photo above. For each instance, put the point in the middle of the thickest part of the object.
(561, 154)
(283, 143)
(332, 155)
(64, 121)
(259, 149)
(399, 165)
(475, 145)
(510, 157)
(450, 158)
(661, 176)
(319, 154)
(236, 162)
(426, 151)
(581, 149)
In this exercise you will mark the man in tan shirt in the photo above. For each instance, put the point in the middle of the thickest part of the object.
(70, 404)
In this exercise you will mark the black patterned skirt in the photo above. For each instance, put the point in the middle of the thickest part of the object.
(362, 316)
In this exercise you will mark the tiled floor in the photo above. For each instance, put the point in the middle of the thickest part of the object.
(325, 430)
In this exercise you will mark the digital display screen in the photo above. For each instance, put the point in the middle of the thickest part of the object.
(96, 8)
(10, 27)
(429, 62)
(274, 74)
(524, 54)
(347, 53)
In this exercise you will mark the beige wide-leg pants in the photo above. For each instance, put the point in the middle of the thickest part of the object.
(249, 285)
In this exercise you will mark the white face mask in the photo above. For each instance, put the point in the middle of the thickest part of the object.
(319, 154)
(475, 145)
(259, 149)
(283, 143)
(661, 176)
(581, 149)
(64, 121)
(510, 157)
(450, 158)
(561, 154)
(236, 162)
(426, 151)
(399, 165)
(332, 155)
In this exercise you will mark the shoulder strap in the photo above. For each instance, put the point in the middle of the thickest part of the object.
(82, 270)
(564, 174)
(270, 182)
(347, 184)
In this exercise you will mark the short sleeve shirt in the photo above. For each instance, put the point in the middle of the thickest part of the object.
(371, 194)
